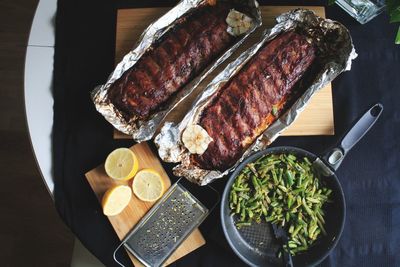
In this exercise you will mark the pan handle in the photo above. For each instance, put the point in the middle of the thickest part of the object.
(335, 155)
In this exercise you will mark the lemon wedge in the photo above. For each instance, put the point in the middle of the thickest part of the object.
(148, 185)
(116, 199)
(121, 164)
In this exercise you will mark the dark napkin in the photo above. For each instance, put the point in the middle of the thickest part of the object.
(84, 57)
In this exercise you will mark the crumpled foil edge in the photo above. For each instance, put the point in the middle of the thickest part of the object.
(143, 130)
(170, 147)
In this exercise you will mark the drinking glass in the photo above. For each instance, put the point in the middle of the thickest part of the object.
(362, 10)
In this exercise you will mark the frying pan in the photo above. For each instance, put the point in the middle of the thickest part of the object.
(256, 245)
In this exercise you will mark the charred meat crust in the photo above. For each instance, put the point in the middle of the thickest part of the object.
(242, 109)
(182, 53)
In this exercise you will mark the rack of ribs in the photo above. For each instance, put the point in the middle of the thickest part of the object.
(249, 102)
(182, 53)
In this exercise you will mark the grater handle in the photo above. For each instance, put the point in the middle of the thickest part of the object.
(218, 198)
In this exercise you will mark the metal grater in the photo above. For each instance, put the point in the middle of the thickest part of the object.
(165, 226)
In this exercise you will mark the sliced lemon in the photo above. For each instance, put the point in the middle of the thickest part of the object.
(148, 185)
(121, 164)
(116, 199)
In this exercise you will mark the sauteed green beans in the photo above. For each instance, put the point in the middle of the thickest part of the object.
(285, 190)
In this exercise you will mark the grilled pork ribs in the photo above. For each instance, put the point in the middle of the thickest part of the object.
(246, 105)
(182, 53)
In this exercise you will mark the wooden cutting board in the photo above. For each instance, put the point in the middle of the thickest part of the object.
(316, 119)
(124, 222)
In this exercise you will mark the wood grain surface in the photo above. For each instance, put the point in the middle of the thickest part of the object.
(317, 117)
(125, 221)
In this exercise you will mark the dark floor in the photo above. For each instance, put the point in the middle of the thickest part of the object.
(31, 232)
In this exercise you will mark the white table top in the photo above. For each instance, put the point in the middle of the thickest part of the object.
(39, 104)
(38, 86)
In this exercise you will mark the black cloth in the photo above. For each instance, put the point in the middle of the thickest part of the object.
(84, 57)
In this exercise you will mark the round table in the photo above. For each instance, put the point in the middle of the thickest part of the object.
(39, 104)
(354, 87)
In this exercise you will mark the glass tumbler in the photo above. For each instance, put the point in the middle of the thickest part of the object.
(362, 10)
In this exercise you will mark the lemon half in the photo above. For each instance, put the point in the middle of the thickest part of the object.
(121, 164)
(148, 185)
(116, 199)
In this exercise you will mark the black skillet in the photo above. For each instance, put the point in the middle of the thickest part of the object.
(256, 245)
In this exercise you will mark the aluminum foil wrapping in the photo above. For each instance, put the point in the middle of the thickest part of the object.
(335, 54)
(142, 130)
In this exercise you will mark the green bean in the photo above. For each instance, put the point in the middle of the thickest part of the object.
(275, 177)
(246, 170)
(237, 208)
(316, 234)
(240, 224)
(303, 241)
(313, 200)
(287, 216)
(243, 215)
(321, 226)
(298, 249)
(301, 221)
(308, 210)
(299, 168)
(289, 201)
(264, 181)
(234, 197)
(251, 214)
(280, 175)
(282, 189)
(328, 192)
(244, 195)
(255, 182)
(274, 204)
(296, 230)
(264, 210)
(299, 180)
(311, 230)
(294, 239)
(278, 210)
(270, 218)
(298, 199)
(297, 191)
(319, 216)
(279, 192)
(239, 179)
(253, 169)
(240, 189)
(305, 183)
(254, 205)
(307, 161)
(313, 190)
